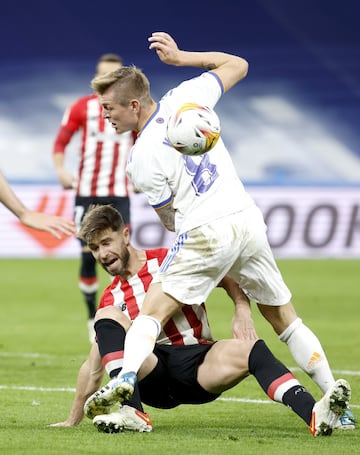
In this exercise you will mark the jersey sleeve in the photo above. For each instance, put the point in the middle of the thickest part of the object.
(72, 121)
(205, 90)
(153, 184)
(158, 190)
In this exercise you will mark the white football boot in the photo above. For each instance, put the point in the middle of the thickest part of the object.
(330, 408)
(126, 419)
(115, 391)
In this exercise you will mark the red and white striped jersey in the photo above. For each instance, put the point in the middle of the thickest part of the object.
(103, 152)
(188, 326)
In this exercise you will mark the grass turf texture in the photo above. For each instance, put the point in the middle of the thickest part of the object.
(43, 341)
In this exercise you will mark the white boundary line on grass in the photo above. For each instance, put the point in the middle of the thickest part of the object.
(81, 356)
(71, 389)
(248, 400)
(39, 355)
(32, 355)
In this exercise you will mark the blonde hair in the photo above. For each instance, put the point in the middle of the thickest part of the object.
(127, 83)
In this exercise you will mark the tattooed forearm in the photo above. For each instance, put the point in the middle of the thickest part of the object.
(167, 217)
(210, 66)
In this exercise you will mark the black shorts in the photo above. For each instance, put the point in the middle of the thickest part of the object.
(82, 203)
(174, 379)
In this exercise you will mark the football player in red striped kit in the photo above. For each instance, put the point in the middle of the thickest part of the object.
(187, 366)
(101, 177)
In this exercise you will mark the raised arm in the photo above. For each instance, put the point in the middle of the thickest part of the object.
(230, 68)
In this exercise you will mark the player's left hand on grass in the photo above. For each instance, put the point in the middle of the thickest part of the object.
(66, 423)
(60, 424)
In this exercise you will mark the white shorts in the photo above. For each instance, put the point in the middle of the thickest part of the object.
(235, 245)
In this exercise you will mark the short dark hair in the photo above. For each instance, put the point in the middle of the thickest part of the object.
(111, 58)
(98, 218)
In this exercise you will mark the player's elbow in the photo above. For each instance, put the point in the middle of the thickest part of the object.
(236, 70)
(243, 68)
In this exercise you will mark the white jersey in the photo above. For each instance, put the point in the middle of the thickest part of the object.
(191, 183)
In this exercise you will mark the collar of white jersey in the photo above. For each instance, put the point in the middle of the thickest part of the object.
(150, 118)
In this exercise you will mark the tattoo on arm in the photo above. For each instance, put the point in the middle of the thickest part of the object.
(210, 66)
(167, 216)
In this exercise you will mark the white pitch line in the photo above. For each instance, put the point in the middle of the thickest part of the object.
(248, 400)
(38, 355)
(80, 356)
(36, 389)
(71, 389)
(336, 372)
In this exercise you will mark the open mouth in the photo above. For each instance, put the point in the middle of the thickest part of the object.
(108, 264)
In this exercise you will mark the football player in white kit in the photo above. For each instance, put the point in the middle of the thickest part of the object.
(220, 230)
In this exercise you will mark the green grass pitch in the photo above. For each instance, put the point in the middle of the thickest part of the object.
(43, 341)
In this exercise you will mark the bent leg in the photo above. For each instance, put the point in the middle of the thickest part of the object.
(303, 344)
(225, 365)
(230, 361)
(111, 325)
(278, 382)
(140, 340)
(280, 317)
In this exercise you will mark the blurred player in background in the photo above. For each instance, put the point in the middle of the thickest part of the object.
(101, 177)
(187, 366)
(55, 225)
(220, 230)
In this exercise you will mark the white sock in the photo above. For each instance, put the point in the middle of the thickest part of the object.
(139, 342)
(308, 353)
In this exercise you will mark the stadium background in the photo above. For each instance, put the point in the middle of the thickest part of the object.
(292, 125)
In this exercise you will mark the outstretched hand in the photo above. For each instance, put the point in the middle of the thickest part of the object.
(55, 225)
(165, 46)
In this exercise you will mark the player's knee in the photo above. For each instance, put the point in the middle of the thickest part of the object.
(235, 353)
(111, 312)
